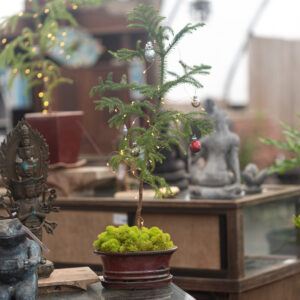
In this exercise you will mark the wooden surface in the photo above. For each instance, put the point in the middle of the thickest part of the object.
(270, 193)
(199, 236)
(74, 277)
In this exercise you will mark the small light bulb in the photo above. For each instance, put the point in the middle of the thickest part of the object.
(35, 15)
(39, 75)
(45, 111)
(45, 79)
(15, 70)
(40, 25)
(21, 14)
(27, 71)
(68, 56)
(46, 11)
(46, 103)
(61, 44)
(41, 94)
(4, 40)
(50, 68)
(74, 6)
(64, 33)
(107, 164)
(53, 38)
(49, 35)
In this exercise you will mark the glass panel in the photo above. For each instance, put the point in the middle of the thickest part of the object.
(270, 236)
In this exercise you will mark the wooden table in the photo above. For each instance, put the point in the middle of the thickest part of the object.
(212, 260)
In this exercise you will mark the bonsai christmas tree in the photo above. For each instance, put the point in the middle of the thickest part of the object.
(26, 54)
(141, 146)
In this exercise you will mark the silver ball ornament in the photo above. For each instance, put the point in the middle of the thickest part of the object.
(149, 52)
(196, 102)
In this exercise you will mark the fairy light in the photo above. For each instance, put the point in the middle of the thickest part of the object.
(46, 11)
(125, 115)
(39, 75)
(4, 40)
(50, 68)
(41, 94)
(68, 56)
(40, 25)
(45, 79)
(15, 70)
(116, 110)
(21, 14)
(64, 33)
(53, 38)
(107, 164)
(61, 44)
(122, 152)
(74, 7)
(27, 71)
(157, 147)
(49, 35)
(45, 111)
(46, 103)
(35, 15)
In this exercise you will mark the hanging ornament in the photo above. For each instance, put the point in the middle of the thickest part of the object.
(149, 52)
(196, 102)
(125, 130)
(135, 151)
(195, 145)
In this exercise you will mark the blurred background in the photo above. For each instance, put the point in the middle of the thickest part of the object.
(252, 45)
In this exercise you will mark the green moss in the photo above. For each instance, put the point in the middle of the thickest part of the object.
(131, 239)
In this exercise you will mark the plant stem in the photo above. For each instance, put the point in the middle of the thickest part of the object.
(138, 218)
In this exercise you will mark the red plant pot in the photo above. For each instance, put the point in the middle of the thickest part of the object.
(62, 132)
(136, 269)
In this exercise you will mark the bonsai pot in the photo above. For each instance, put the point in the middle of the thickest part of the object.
(129, 270)
(62, 132)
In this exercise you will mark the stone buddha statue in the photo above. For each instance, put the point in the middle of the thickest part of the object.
(215, 170)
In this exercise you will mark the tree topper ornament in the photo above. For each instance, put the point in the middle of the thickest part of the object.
(149, 52)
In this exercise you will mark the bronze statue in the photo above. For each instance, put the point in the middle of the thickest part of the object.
(215, 171)
(24, 170)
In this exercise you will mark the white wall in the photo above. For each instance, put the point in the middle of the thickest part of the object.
(216, 44)
(10, 7)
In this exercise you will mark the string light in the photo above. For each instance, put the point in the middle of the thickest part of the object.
(107, 164)
(40, 25)
(21, 14)
(39, 75)
(46, 11)
(41, 94)
(125, 115)
(35, 15)
(74, 6)
(50, 68)
(61, 44)
(49, 35)
(68, 56)
(4, 40)
(15, 70)
(53, 38)
(46, 103)
(45, 79)
(64, 33)
(27, 71)
(45, 111)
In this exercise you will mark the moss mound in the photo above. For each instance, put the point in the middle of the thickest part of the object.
(131, 239)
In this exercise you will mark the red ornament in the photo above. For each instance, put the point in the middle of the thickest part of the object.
(195, 145)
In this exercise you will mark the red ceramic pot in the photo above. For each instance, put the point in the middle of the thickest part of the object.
(136, 269)
(62, 132)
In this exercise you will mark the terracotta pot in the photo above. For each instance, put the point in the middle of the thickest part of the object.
(62, 133)
(136, 269)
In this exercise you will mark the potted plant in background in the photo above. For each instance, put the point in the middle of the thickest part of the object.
(26, 52)
(136, 256)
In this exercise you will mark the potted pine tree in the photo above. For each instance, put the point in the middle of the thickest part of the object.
(26, 53)
(137, 256)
